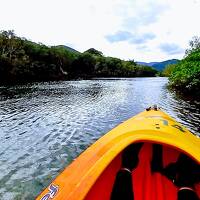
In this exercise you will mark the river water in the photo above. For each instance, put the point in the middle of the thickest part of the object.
(44, 126)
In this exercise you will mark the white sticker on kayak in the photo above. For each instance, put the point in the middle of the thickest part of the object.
(53, 189)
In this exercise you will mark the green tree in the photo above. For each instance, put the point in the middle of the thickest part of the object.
(185, 75)
(94, 52)
(168, 70)
(84, 65)
(194, 45)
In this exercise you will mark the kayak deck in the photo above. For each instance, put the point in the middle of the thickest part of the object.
(96, 167)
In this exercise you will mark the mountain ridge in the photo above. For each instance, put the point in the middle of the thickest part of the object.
(158, 65)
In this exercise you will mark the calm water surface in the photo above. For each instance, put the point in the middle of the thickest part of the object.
(44, 126)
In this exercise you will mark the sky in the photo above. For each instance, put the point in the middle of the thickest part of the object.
(143, 30)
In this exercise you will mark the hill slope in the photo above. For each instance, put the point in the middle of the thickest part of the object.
(160, 66)
(68, 48)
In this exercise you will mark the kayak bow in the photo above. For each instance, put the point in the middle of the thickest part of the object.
(93, 172)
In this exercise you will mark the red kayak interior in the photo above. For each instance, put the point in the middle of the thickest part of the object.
(146, 185)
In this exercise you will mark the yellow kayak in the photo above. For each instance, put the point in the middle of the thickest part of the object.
(93, 174)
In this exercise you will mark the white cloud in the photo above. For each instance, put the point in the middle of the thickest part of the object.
(86, 23)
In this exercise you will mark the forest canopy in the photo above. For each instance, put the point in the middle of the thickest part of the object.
(22, 60)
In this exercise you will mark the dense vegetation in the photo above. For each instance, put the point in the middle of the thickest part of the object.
(185, 75)
(23, 61)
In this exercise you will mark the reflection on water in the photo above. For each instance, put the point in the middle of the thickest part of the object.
(44, 126)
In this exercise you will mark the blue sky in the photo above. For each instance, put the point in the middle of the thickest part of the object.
(143, 30)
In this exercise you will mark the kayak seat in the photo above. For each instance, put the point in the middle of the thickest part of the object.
(147, 181)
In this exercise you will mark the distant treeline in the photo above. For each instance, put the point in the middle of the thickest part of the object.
(185, 75)
(22, 60)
